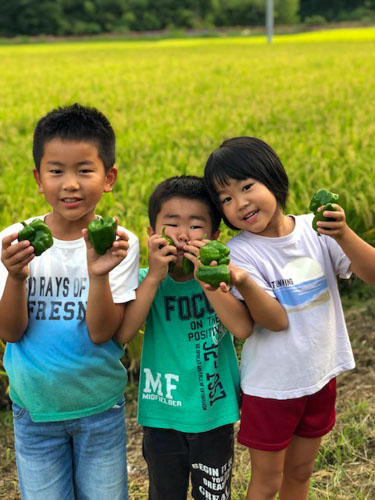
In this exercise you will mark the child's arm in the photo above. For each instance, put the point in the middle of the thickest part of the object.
(13, 304)
(159, 256)
(233, 314)
(103, 316)
(360, 253)
(265, 309)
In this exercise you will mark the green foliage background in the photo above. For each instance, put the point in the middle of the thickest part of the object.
(91, 17)
(77, 17)
(172, 102)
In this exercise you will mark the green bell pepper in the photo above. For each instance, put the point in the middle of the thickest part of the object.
(213, 275)
(102, 233)
(214, 250)
(322, 198)
(39, 235)
(187, 266)
(171, 265)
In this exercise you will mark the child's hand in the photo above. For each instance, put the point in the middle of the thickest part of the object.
(238, 276)
(335, 228)
(99, 265)
(17, 257)
(160, 255)
(191, 252)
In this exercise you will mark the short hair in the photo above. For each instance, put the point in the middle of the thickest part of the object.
(240, 158)
(184, 186)
(76, 123)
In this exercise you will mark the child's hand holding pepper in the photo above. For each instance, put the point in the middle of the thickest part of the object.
(336, 227)
(162, 255)
(16, 257)
(100, 265)
(201, 259)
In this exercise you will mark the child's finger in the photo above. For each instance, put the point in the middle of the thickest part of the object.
(197, 243)
(121, 246)
(8, 240)
(171, 258)
(192, 250)
(163, 250)
(18, 251)
(85, 235)
(224, 287)
(156, 241)
(17, 256)
(337, 215)
(122, 235)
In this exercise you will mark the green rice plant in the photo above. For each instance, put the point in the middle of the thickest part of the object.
(351, 437)
(132, 359)
(346, 454)
(173, 101)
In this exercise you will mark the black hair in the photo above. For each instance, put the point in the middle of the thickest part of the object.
(184, 186)
(76, 123)
(240, 158)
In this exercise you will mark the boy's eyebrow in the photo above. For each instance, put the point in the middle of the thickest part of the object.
(195, 217)
(61, 164)
(55, 162)
(198, 217)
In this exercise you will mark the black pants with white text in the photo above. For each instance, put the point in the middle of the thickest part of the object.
(173, 456)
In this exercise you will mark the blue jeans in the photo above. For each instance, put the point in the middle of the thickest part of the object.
(82, 459)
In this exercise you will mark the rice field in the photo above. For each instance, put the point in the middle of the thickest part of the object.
(171, 102)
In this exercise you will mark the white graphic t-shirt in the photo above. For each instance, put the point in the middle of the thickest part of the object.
(300, 270)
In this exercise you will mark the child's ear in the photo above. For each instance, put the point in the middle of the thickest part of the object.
(38, 181)
(215, 235)
(110, 179)
(150, 231)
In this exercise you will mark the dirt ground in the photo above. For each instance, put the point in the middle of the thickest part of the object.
(357, 385)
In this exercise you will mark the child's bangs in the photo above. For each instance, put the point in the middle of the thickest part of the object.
(219, 173)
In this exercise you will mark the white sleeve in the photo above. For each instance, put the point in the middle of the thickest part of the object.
(123, 278)
(244, 261)
(340, 261)
(3, 275)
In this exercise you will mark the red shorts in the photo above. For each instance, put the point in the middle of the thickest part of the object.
(269, 424)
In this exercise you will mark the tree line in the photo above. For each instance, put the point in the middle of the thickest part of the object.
(90, 17)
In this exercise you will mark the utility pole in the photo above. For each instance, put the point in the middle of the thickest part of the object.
(269, 20)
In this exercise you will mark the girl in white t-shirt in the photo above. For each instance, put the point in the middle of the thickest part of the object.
(288, 373)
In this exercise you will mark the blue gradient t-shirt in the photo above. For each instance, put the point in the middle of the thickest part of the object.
(55, 371)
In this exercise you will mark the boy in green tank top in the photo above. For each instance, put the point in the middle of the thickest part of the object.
(189, 382)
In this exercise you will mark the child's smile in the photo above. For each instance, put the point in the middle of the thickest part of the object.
(249, 205)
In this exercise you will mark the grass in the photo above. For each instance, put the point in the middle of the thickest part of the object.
(347, 456)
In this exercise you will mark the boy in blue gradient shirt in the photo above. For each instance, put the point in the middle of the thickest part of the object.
(67, 391)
